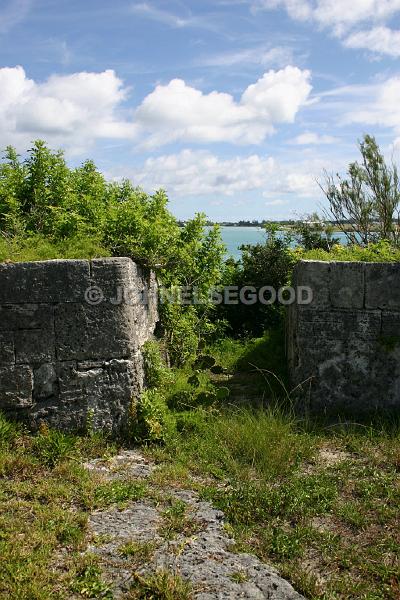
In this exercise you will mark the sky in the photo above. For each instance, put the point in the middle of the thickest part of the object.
(235, 108)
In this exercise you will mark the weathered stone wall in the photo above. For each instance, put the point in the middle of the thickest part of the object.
(344, 347)
(71, 358)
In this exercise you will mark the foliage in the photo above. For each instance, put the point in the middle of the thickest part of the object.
(381, 251)
(152, 420)
(45, 497)
(268, 264)
(366, 204)
(48, 210)
(163, 585)
(117, 492)
(312, 233)
(52, 446)
(88, 582)
(157, 374)
(292, 489)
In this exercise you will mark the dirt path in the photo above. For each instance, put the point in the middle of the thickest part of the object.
(173, 534)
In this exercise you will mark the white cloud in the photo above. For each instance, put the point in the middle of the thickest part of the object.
(13, 13)
(338, 14)
(311, 139)
(201, 173)
(381, 40)
(261, 55)
(341, 16)
(177, 111)
(277, 202)
(166, 17)
(74, 110)
(380, 107)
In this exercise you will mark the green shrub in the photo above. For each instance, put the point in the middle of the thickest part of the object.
(8, 431)
(48, 210)
(152, 420)
(51, 446)
(157, 374)
(375, 252)
(268, 264)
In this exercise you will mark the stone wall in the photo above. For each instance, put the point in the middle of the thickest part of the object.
(71, 357)
(344, 347)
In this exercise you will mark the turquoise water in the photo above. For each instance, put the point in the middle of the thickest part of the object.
(234, 237)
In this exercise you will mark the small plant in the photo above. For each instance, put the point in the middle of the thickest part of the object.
(139, 552)
(157, 374)
(152, 421)
(162, 585)
(8, 431)
(176, 520)
(117, 492)
(51, 446)
(88, 583)
(239, 577)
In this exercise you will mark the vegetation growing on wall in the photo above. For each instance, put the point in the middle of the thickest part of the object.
(48, 210)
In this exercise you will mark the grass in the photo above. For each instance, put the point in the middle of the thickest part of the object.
(321, 504)
(318, 501)
(45, 499)
(162, 585)
(38, 247)
(375, 252)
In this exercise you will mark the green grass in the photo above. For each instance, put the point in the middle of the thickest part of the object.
(378, 252)
(45, 499)
(38, 247)
(321, 504)
(163, 585)
(319, 501)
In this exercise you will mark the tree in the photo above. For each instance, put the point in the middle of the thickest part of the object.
(313, 233)
(365, 206)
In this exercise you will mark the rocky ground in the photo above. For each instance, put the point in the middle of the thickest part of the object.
(169, 537)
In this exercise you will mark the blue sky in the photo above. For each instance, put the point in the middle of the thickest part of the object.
(234, 107)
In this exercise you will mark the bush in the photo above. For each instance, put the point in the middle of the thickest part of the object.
(48, 210)
(268, 264)
(152, 420)
(381, 251)
(157, 374)
(366, 205)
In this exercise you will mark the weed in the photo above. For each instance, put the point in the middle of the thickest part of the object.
(118, 492)
(239, 577)
(89, 584)
(139, 552)
(162, 585)
(51, 446)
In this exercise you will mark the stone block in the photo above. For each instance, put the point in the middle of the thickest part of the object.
(119, 279)
(382, 286)
(85, 332)
(64, 360)
(315, 275)
(45, 281)
(16, 384)
(35, 346)
(45, 382)
(391, 324)
(347, 356)
(7, 352)
(15, 317)
(346, 285)
(338, 325)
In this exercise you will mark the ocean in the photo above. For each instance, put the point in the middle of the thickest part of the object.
(234, 237)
